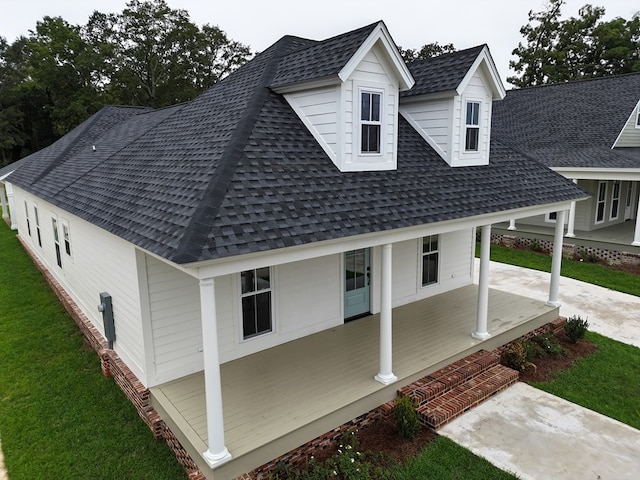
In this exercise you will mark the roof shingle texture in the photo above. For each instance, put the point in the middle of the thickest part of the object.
(235, 171)
(571, 124)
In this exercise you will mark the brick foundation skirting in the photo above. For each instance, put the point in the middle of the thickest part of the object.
(113, 366)
(568, 249)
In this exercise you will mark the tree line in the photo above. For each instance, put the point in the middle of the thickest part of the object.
(152, 55)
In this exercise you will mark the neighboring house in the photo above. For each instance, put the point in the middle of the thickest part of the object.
(588, 131)
(236, 234)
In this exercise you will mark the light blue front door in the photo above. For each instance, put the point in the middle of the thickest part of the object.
(357, 279)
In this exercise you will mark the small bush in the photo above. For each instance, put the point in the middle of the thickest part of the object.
(518, 355)
(549, 344)
(586, 256)
(406, 418)
(575, 328)
(535, 246)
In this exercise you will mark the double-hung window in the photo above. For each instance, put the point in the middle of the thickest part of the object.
(66, 237)
(430, 257)
(26, 216)
(615, 200)
(370, 122)
(256, 302)
(37, 219)
(600, 205)
(472, 127)
(56, 240)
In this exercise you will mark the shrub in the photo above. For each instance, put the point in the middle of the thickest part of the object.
(406, 417)
(575, 328)
(586, 256)
(535, 246)
(518, 355)
(549, 344)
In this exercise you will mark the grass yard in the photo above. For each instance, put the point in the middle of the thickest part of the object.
(593, 273)
(608, 381)
(59, 416)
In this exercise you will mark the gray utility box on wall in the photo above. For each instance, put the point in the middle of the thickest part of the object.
(106, 307)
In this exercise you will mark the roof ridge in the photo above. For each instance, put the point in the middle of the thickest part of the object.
(196, 232)
(579, 80)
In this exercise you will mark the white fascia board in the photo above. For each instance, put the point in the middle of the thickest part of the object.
(497, 88)
(380, 33)
(309, 85)
(231, 265)
(6, 175)
(627, 174)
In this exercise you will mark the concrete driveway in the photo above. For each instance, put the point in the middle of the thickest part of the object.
(537, 435)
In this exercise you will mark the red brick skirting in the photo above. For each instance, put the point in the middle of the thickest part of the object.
(113, 366)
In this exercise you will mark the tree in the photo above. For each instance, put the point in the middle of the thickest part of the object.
(427, 51)
(580, 47)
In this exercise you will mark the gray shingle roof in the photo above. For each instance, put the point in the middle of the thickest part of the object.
(235, 171)
(442, 73)
(572, 124)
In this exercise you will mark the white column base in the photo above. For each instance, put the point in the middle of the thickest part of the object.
(512, 225)
(481, 335)
(570, 235)
(636, 244)
(386, 379)
(216, 459)
(549, 303)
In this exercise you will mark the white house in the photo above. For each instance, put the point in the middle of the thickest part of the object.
(233, 237)
(588, 131)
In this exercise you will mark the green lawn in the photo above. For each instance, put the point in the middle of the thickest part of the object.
(608, 381)
(587, 272)
(60, 418)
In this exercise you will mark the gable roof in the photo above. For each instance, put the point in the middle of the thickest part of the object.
(571, 125)
(235, 171)
(443, 73)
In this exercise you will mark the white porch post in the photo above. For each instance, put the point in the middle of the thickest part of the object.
(386, 376)
(483, 285)
(3, 201)
(636, 235)
(572, 217)
(556, 260)
(12, 206)
(512, 224)
(217, 452)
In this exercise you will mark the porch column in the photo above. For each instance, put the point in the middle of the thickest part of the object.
(3, 202)
(556, 260)
(217, 452)
(636, 235)
(483, 285)
(12, 206)
(512, 224)
(386, 376)
(572, 217)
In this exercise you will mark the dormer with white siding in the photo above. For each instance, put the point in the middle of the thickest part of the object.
(630, 134)
(349, 103)
(450, 104)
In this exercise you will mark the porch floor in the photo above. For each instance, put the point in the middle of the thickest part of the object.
(282, 397)
(615, 237)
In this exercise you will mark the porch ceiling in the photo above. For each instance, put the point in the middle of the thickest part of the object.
(306, 382)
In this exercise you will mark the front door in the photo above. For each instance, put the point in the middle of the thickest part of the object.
(357, 278)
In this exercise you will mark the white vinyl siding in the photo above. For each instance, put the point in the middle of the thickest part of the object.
(630, 133)
(318, 109)
(432, 118)
(102, 263)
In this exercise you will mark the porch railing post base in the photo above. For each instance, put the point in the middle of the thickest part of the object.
(481, 335)
(386, 379)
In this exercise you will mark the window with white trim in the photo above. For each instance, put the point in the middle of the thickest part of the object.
(430, 260)
(256, 302)
(37, 219)
(66, 237)
(26, 216)
(472, 127)
(370, 122)
(56, 240)
(601, 202)
(615, 201)
(551, 217)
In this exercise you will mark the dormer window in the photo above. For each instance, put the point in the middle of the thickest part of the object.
(472, 127)
(371, 125)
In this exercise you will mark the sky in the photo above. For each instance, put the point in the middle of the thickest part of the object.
(259, 23)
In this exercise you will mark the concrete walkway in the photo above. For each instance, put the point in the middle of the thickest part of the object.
(3, 471)
(537, 435)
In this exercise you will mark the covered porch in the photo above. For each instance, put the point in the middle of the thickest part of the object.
(280, 398)
(619, 237)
